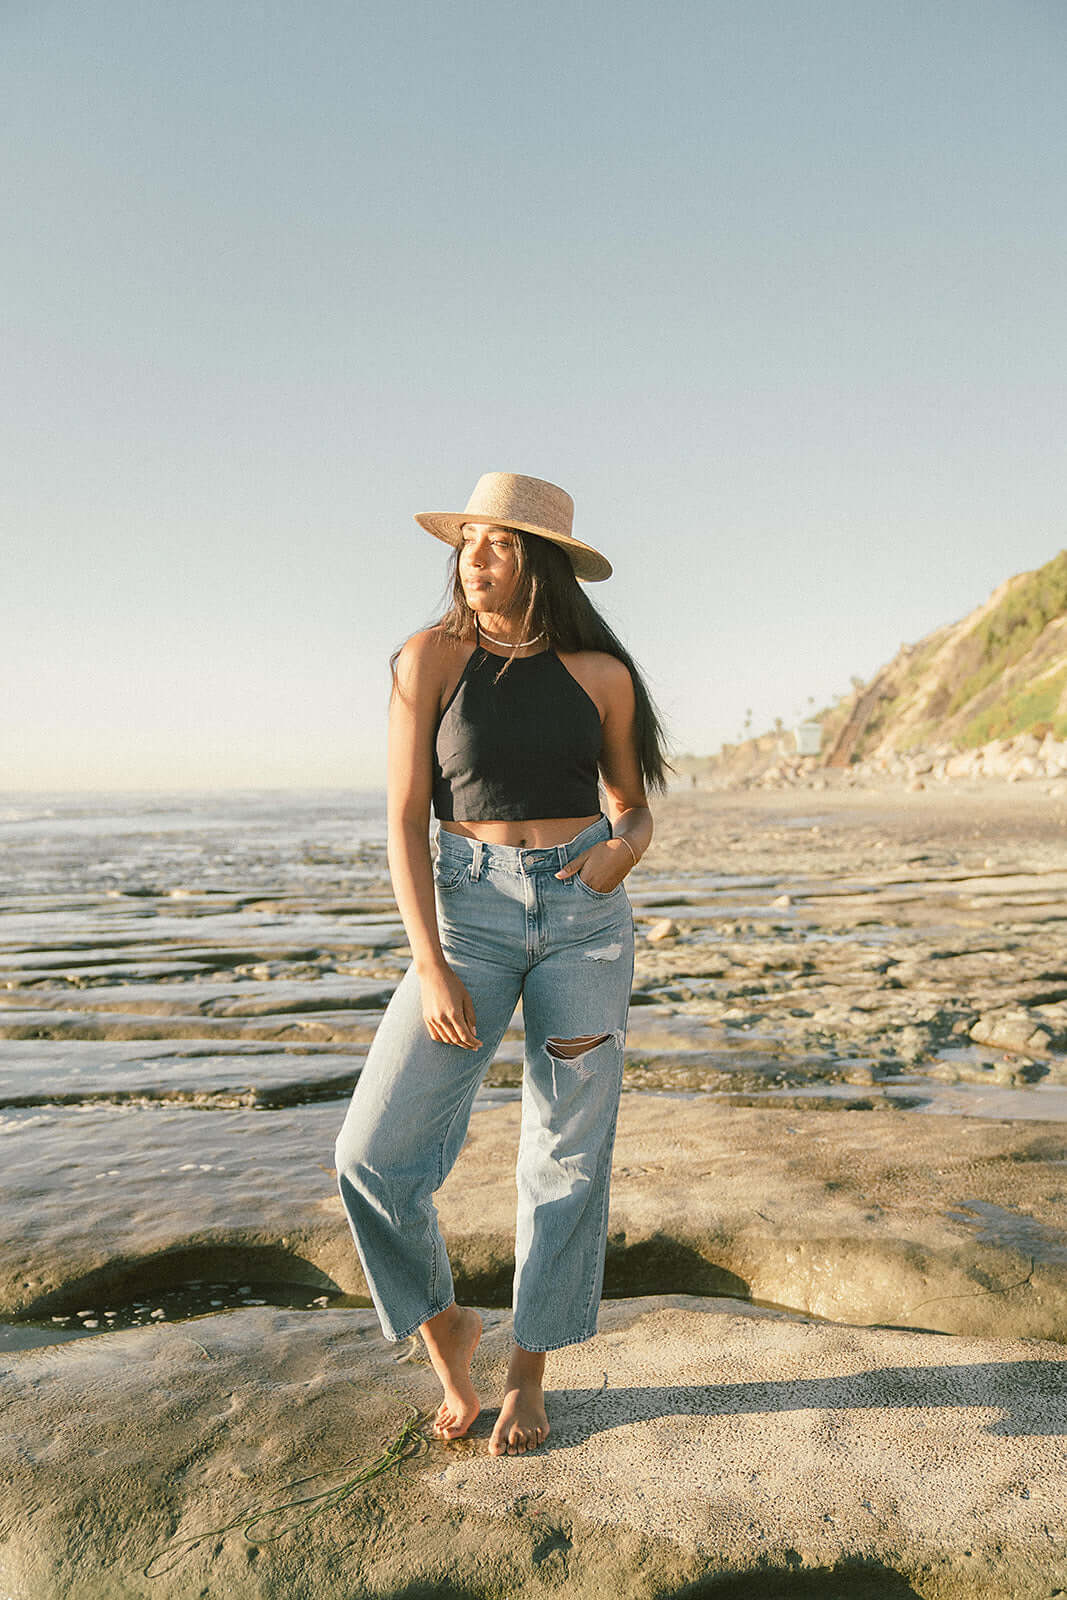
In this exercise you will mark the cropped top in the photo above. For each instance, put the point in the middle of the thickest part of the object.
(514, 746)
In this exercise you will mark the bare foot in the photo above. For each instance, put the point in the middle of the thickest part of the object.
(451, 1339)
(523, 1422)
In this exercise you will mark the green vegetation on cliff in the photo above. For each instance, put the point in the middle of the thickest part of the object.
(1031, 709)
(1004, 636)
(995, 674)
(999, 672)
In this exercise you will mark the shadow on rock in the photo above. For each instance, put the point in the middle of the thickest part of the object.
(436, 1591)
(1031, 1394)
(662, 1265)
(850, 1580)
(175, 1269)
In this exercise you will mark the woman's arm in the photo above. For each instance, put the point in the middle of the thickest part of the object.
(446, 1005)
(606, 864)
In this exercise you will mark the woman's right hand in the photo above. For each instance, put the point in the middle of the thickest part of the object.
(447, 1009)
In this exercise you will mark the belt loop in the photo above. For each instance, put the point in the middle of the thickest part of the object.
(476, 860)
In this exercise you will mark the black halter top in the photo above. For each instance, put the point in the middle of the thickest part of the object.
(516, 745)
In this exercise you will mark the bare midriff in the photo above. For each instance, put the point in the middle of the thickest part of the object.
(539, 834)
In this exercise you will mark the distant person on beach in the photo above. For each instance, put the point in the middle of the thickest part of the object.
(504, 716)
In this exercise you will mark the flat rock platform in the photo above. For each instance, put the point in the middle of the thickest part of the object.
(696, 1450)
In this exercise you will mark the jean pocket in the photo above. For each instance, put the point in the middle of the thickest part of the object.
(595, 894)
(449, 875)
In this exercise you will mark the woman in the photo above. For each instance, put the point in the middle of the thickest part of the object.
(502, 716)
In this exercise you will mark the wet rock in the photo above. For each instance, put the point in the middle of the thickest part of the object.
(202, 998)
(267, 971)
(173, 1194)
(911, 1044)
(323, 1027)
(53, 1072)
(898, 956)
(832, 1212)
(686, 1440)
(1010, 1030)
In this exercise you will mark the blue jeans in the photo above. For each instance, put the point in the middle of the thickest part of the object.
(510, 929)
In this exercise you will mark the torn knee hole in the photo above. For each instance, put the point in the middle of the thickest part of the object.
(571, 1049)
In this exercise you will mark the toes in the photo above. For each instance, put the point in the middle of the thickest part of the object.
(452, 1422)
(517, 1439)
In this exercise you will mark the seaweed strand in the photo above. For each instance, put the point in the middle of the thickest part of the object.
(408, 1442)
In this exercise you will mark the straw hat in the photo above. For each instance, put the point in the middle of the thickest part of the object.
(530, 504)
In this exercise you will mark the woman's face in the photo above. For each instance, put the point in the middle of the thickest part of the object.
(488, 567)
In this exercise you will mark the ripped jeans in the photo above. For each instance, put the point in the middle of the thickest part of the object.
(510, 929)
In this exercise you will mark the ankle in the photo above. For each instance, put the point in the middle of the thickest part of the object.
(526, 1367)
(442, 1326)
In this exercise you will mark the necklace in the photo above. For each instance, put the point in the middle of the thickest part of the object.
(509, 644)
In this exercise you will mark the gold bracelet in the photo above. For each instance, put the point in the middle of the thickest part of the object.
(624, 840)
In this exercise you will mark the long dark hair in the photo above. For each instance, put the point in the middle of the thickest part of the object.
(549, 599)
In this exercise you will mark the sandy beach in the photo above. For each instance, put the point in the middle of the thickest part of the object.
(838, 1255)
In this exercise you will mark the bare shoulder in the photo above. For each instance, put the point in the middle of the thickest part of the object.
(429, 644)
(597, 663)
(613, 672)
(430, 664)
(428, 652)
(605, 679)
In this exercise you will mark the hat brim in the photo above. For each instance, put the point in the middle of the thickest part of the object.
(588, 564)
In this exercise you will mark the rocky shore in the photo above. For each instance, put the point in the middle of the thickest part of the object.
(763, 763)
(698, 1448)
(831, 1359)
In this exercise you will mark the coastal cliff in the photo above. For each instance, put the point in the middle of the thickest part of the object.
(982, 697)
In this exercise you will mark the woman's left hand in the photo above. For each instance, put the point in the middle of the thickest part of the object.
(602, 867)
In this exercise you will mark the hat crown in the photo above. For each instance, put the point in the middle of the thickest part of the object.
(529, 504)
(508, 497)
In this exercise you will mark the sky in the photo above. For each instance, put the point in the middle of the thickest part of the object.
(774, 290)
